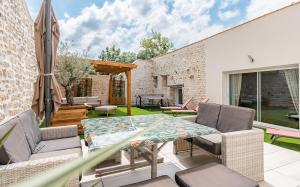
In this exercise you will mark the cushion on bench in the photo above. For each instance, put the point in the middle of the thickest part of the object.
(15, 148)
(233, 118)
(208, 114)
(210, 143)
(162, 181)
(30, 125)
(58, 144)
(56, 153)
(212, 175)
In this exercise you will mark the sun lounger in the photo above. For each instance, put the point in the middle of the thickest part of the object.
(276, 133)
(191, 111)
(183, 106)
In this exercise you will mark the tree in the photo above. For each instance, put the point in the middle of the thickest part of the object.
(71, 67)
(115, 54)
(154, 46)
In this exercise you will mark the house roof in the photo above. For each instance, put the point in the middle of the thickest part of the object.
(111, 66)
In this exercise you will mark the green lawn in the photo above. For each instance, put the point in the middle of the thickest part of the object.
(278, 116)
(122, 111)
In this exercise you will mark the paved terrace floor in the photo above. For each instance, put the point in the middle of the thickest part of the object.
(282, 167)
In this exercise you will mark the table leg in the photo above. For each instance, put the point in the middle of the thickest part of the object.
(131, 156)
(154, 161)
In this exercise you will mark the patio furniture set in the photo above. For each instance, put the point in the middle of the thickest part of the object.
(225, 131)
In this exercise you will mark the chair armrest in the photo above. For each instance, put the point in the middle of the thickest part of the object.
(51, 133)
(243, 151)
(17, 172)
(189, 118)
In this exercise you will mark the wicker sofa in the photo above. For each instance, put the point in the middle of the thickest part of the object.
(238, 145)
(29, 150)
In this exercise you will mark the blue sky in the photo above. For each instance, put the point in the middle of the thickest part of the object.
(96, 24)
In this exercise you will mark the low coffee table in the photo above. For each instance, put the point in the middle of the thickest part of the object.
(106, 108)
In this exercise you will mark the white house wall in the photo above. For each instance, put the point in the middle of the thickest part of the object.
(272, 40)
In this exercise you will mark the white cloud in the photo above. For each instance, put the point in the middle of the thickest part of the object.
(259, 7)
(66, 15)
(226, 3)
(125, 23)
(227, 15)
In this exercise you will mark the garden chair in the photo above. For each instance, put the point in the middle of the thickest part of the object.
(276, 133)
(183, 106)
(189, 111)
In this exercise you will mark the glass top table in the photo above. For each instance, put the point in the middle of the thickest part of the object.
(102, 132)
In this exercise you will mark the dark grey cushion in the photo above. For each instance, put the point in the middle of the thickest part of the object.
(162, 181)
(208, 114)
(31, 127)
(15, 148)
(58, 144)
(210, 143)
(212, 175)
(233, 118)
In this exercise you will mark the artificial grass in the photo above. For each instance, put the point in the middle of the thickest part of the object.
(122, 111)
(278, 116)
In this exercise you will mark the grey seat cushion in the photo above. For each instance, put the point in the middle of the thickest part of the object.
(212, 175)
(162, 181)
(210, 143)
(208, 114)
(15, 148)
(233, 118)
(58, 144)
(56, 153)
(31, 128)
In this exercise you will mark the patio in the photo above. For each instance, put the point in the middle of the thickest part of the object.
(282, 168)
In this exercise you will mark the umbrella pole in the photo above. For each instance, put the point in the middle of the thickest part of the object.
(47, 65)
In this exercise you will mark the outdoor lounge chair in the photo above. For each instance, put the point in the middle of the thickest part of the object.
(190, 111)
(162, 181)
(212, 175)
(29, 151)
(182, 107)
(237, 145)
(276, 133)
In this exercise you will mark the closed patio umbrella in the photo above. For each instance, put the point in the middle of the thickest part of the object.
(47, 96)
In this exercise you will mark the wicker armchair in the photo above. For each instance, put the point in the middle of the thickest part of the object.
(241, 151)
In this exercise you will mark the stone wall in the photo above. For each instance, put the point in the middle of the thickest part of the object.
(142, 79)
(184, 67)
(100, 87)
(18, 68)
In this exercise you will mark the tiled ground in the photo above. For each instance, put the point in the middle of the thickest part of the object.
(282, 168)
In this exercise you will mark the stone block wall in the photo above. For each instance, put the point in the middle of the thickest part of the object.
(183, 67)
(142, 79)
(100, 87)
(18, 69)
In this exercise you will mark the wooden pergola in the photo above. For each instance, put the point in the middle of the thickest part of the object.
(112, 68)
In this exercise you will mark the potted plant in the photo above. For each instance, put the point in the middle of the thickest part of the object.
(72, 66)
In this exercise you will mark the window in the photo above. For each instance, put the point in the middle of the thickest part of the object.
(273, 94)
(155, 81)
(164, 81)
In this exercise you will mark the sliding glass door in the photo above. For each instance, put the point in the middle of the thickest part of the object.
(273, 94)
